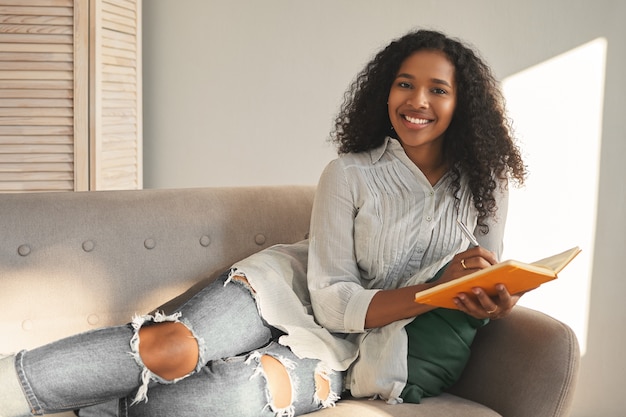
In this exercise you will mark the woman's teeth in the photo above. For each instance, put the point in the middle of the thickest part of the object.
(416, 120)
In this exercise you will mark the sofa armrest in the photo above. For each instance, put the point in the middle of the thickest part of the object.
(524, 365)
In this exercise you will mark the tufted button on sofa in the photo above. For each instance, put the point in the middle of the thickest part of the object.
(71, 262)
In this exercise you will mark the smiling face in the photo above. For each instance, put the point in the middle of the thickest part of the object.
(421, 103)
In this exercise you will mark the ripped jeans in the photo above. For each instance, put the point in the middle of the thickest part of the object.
(102, 373)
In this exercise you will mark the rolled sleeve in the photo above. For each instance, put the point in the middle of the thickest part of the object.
(342, 307)
(356, 310)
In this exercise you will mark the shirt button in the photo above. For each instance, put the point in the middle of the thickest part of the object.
(431, 193)
(428, 218)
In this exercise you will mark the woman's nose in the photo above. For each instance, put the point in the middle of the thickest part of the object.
(418, 98)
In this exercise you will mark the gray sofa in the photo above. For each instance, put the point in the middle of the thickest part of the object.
(71, 262)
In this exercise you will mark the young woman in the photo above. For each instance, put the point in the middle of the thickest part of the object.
(423, 142)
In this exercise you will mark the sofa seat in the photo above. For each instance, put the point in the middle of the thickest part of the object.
(445, 405)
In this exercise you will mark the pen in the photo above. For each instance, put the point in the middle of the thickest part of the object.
(467, 233)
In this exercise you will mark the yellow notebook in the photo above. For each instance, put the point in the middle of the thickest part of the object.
(517, 276)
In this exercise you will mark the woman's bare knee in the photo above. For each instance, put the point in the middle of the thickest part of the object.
(168, 349)
(322, 387)
(278, 381)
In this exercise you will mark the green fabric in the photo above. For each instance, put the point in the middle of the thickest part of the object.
(439, 347)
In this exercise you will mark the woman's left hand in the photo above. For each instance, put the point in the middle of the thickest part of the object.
(483, 306)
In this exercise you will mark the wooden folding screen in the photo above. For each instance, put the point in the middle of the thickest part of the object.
(70, 95)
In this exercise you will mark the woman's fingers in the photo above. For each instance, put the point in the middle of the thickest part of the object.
(480, 305)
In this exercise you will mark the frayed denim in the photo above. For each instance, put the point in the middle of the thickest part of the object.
(101, 371)
(230, 387)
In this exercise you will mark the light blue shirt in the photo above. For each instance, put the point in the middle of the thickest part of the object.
(377, 223)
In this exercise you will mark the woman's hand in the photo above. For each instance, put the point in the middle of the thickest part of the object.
(483, 306)
(479, 304)
(464, 263)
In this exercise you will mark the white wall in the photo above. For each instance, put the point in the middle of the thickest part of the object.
(244, 93)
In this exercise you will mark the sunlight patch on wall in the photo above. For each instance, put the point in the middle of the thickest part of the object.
(556, 108)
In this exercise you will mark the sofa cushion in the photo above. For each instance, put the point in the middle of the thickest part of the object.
(439, 348)
(445, 405)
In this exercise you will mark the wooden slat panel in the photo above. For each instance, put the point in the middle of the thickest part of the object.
(130, 113)
(36, 11)
(39, 39)
(122, 121)
(37, 66)
(119, 87)
(44, 59)
(120, 62)
(121, 137)
(117, 78)
(40, 93)
(37, 84)
(35, 186)
(111, 121)
(117, 27)
(121, 176)
(130, 13)
(114, 69)
(119, 131)
(40, 167)
(36, 148)
(37, 121)
(36, 29)
(39, 3)
(35, 158)
(114, 50)
(38, 139)
(37, 111)
(35, 56)
(120, 149)
(36, 75)
(124, 179)
(119, 40)
(39, 102)
(34, 47)
(121, 140)
(38, 176)
(129, 23)
(120, 161)
(127, 4)
(37, 20)
(118, 102)
(119, 95)
(116, 155)
(36, 130)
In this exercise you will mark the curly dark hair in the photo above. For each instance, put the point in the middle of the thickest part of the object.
(478, 142)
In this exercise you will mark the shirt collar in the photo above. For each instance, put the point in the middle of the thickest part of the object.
(389, 143)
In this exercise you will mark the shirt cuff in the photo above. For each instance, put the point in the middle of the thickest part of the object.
(356, 310)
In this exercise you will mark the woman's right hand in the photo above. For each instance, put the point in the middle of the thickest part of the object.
(467, 262)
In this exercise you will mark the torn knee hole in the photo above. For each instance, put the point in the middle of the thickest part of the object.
(278, 381)
(322, 386)
(243, 280)
(165, 349)
(168, 349)
(324, 394)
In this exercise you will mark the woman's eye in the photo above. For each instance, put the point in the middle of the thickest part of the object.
(439, 91)
(404, 84)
